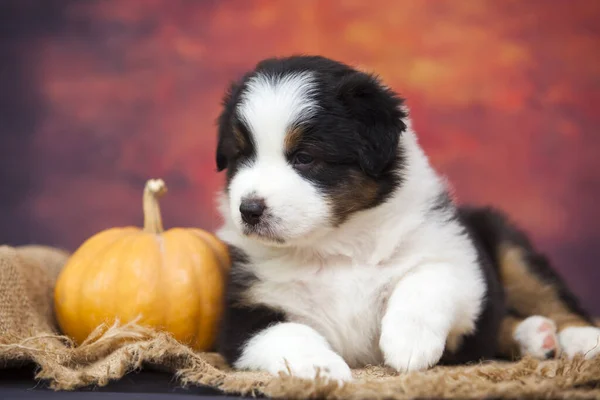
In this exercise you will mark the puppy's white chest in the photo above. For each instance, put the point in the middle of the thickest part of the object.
(345, 305)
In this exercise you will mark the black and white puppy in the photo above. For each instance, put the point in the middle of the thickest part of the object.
(346, 247)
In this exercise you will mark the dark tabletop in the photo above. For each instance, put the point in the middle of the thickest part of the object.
(19, 383)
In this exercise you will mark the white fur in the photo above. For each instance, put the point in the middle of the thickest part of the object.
(420, 316)
(270, 104)
(270, 107)
(531, 335)
(293, 349)
(584, 340)
(392, 284)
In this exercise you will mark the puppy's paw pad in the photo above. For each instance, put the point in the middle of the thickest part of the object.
(328, 366)
(412, 349)
(580, 340)
(536, 337)
(547, 326)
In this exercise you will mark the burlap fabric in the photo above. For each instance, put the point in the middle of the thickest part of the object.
(28, 333)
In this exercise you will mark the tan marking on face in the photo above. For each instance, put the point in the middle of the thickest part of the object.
(356, 193)
(529, 295)
(292, 139)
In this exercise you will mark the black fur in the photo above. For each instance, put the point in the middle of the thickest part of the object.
(355, 132)
(229, 155)
(240, 322)
(353, 138)
(377, 117)
(444, 206)
(481, 344)
(492, 228)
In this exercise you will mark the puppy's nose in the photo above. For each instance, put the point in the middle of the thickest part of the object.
(252, 209)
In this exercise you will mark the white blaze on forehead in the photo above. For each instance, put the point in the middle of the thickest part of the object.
(270, 105)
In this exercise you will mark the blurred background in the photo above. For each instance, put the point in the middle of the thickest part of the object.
(98, 96)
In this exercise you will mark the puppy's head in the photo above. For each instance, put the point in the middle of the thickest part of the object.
(307, 142)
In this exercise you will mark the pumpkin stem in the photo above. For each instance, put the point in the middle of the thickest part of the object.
(154, 189)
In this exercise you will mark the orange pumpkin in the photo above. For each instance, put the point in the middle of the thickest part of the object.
(171, 280)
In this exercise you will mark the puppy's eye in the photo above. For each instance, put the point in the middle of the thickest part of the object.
(302, 159)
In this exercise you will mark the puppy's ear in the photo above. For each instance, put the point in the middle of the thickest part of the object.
(224, 124)
(379, 115)
(220, 158)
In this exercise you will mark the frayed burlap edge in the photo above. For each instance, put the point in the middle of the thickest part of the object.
(111, 352)
(28, 333)
(108, 354)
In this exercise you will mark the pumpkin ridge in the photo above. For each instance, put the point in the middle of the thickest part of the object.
(160, 241)
(210, 311)
(63, 285)
(130, 253)
(98, 263)
(87, 271)
(210, 240)
(183, 237)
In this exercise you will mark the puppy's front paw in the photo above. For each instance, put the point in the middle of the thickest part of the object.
(329, 365)
(580, 340)
(412, 348)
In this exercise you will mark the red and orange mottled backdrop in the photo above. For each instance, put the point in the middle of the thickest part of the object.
(98, 96)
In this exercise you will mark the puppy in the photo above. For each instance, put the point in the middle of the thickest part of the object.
(347, 248)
